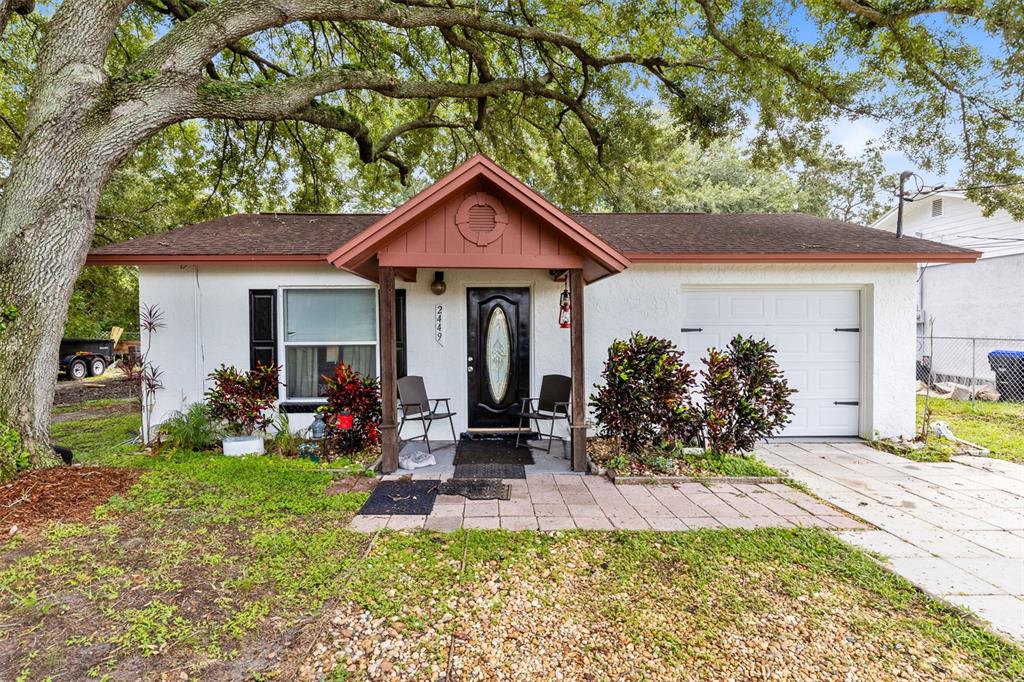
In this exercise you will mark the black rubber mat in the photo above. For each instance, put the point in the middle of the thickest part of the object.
(492, 451)
(463, 471)
(401, 497)
(476, 488)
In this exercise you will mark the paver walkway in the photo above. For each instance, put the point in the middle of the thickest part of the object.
(566, 501)
(955, 529)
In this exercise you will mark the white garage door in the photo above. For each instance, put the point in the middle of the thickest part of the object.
(815, 334)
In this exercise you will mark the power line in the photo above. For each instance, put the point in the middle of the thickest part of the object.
(978, 236)
(925, 192)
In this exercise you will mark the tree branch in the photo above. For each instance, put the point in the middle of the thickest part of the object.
(10, 126)
(190, 44)
(788, 70)
(969, 8)
(8, 7)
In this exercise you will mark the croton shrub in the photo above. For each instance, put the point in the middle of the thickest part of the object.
(352, 394)
(745, 397)
(243, 400)
(644, 401)
(649, 402)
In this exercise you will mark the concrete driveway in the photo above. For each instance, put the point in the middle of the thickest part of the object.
(955, 529)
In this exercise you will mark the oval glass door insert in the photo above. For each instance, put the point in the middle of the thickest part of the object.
(499, 352)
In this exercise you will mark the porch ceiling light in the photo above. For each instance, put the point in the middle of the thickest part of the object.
(438, 286)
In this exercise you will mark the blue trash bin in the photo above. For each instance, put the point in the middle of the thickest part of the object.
(1008, 366)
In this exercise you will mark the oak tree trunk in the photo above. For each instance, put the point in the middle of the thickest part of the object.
(47, 211)
(46, 217)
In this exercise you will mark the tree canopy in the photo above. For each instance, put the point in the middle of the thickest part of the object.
(122, 116)
(300, 100)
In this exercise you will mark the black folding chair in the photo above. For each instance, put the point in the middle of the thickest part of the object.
(412, 398)
(552, 405)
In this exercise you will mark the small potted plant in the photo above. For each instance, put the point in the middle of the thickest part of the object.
(243, 401)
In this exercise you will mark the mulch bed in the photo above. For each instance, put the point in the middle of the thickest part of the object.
(59, 494)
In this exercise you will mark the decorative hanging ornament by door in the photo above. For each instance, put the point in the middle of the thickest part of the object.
(564, 312)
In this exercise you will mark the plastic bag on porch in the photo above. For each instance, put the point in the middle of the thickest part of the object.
(416, 460)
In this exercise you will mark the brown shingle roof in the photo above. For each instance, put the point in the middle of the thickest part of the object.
(257, 234)
(747, 233)
(638, 235)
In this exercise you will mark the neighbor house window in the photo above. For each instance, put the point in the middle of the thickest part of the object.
(323, 327)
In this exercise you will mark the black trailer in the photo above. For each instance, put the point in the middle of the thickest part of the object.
(80, 358)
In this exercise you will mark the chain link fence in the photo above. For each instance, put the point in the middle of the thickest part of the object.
(972, 368)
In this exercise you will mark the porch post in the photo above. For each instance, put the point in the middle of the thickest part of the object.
(579, 411)
(388, 380)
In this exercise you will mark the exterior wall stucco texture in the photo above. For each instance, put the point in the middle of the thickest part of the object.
(984, 299)
(206, 312)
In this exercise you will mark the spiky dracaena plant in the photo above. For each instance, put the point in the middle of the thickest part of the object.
(644, 401)
(150, 376)
(745, 396)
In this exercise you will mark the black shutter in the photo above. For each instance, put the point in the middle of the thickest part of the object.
(262, 327)
(401, 358)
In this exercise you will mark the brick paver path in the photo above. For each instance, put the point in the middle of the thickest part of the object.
(955, 529)
(567, 501)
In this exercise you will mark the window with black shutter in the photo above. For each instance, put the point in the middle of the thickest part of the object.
(262, 327)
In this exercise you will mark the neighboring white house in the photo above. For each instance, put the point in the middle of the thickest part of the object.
(970, 308)
(302, 290)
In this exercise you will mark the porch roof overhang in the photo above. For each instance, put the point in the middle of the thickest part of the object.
(478, 216)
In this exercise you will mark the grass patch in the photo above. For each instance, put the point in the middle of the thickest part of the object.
(935, 450)
(643, 605)
(996, 426)
(202, 553)
(103, 440)
(208, 561)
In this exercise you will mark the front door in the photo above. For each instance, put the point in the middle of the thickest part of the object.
(498, 363)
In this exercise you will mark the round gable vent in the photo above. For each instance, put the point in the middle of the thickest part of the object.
(481, 218)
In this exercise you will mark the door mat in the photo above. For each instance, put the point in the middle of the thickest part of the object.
(492, 451)
(476, 489)
(463, 471)
(401, 498)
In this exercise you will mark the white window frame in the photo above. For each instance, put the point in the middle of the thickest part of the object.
(282, 390)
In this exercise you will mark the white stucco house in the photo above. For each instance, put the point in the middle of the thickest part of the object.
(309, 291)
(966, 311)
(980, 299)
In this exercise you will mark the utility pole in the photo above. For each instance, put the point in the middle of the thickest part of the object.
(899, 208)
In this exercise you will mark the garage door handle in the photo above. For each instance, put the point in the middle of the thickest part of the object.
(691, 329)
(846, 402)
(847, 329)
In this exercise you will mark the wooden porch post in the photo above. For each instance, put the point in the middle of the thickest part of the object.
(579, 406)
(388, 374)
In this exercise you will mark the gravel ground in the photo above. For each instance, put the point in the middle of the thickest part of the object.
(571, 617)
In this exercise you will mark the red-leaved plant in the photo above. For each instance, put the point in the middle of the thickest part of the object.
(351, 394)
(745, 397)
(645, 399)
(242, 399)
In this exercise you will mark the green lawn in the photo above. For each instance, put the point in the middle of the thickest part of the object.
(99, 440)
(996, 426)
(211, 564)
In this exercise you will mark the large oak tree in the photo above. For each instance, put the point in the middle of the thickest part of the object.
(553, 88)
